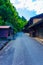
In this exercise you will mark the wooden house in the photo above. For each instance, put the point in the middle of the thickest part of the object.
(6, 32)
(36, 28)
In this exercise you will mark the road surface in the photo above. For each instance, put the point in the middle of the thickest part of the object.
(22, 51)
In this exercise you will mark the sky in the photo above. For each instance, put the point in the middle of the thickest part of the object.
(28, 8)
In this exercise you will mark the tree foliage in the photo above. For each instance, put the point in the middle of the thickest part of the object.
(8, 14)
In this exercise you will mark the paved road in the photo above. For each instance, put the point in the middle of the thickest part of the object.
(22, 51)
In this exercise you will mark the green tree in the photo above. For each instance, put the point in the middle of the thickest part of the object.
(9, 14)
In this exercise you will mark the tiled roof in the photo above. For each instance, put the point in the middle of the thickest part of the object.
(38, 16)
(4, 26)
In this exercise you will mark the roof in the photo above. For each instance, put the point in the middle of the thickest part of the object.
(4, 26)
(38, 16)
(35, 24)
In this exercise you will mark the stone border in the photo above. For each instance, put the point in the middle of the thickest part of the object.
(4, 45)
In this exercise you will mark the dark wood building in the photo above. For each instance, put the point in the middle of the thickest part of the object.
(36, 28)
(6, 32)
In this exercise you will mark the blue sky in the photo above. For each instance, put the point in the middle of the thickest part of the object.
(27, 14)
(28, 8)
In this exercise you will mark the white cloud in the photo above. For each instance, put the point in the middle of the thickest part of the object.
(12, 1)
(38, 6)
(30, 5)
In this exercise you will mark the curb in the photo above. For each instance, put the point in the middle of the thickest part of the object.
(4, 45)
(41, 42)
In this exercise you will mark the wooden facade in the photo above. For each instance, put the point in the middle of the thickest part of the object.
(35, 27)
(6, 32)
(36, 30)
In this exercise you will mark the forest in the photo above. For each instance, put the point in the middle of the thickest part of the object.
(10, 16)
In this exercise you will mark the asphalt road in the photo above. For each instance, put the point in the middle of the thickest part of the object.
(22, 51)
